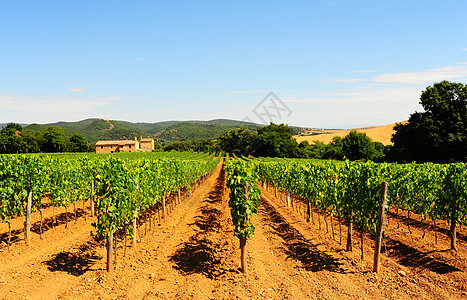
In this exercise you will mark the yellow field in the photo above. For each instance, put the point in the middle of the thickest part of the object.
(381, 134)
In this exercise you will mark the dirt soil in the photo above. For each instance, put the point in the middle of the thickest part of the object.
(191, 253)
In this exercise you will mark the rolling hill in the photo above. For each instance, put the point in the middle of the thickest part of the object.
(169, 131)
(380, 134)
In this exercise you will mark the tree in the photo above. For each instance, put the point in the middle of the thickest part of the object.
(304, 150)
(55, 140)
(334, 149)
(357, 145)
(78, 143)
(237, 141)
(276, 141)
(179, 146)
(11, 140)
(33, 140)
(439, 134)
(319, 149)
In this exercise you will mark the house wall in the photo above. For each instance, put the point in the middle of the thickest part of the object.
(105, 149)
(147, 146)
(116, 148)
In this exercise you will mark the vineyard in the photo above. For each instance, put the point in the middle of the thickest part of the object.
(178, 225)
(350, 190)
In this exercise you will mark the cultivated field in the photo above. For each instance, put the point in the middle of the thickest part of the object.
(380, 134)
(191, 253)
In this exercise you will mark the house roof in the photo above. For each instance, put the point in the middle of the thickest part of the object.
(119, 143)
(146, 140)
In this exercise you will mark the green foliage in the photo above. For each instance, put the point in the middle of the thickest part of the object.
(19, 175)
(33, 140)
(11, 140)
(189, 131)
(237, 141)
(439, 134)
(275, 141)
(125, 184)
(351, 190)
(55, 140)
(78, 143)
(242, 177)
(357, 145)
(335, 149)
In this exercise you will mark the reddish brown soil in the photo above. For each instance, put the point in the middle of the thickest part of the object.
(192, 254)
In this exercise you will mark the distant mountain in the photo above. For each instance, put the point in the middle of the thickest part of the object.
(168, 131)
(4, 124)
(196, 130)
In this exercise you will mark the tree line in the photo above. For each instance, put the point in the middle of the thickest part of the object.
(14, 139)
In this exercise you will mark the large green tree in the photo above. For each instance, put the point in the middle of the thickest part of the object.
(55, 140)
(237, 141)
(11, 140)
(33, 139)
(275, 141)
(439, 134)
(357, 145)
(78, 143)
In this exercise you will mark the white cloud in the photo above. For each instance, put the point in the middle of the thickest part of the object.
(379, 99)
(451, 72)
(137, 59)
(363, 71)
(247, 92)
(76, 89)
(374, 106)
(348, 80)
(23, 108)
(370, 96)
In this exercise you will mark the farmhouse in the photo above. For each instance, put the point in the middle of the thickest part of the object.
(144, 145)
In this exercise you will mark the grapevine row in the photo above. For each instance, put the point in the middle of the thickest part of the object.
(124, 185)
(350, 190)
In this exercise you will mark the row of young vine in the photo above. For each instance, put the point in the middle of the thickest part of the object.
(351, 190)
(241, 178)
(123, 185)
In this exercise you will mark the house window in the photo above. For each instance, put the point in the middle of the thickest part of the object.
(110, 146)
(102, 147)
(130, 146)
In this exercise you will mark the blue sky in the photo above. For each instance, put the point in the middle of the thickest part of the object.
(333, 64)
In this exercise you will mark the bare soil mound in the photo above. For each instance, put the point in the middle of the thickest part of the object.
(380, 134)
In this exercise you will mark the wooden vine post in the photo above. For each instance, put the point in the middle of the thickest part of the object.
(243, 237)
(380, 225)
(452, 229)
(134, 228)
(92, 198)
(27, 232)
(110, 238)
(308, 215)
(164, 209)
(349, 234)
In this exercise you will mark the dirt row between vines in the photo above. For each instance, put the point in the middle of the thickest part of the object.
(192, 254)
(413, 265)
